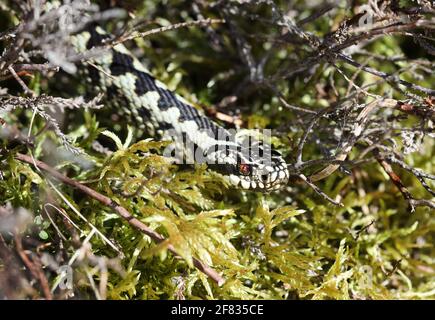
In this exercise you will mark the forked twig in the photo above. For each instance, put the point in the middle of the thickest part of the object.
(202, 22)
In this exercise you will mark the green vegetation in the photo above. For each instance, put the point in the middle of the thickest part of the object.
(291, 244)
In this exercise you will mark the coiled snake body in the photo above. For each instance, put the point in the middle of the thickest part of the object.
(132, 90)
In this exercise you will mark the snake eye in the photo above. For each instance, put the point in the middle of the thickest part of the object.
(245, 169)
(264, 177)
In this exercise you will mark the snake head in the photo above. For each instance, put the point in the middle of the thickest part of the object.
(255, 174)
(260, 177)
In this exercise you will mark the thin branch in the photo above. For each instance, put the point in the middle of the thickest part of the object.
(387, 77)
(418, 173)
(21, 82)
(202, 22)
(325, 8)
(35, 270)
(347, 144)
(395, 179)
(45, 67)
(318, 191)
(302, 141)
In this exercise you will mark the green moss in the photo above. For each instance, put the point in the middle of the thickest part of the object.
(290, 244)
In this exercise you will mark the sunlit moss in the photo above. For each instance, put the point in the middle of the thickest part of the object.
(290, 244)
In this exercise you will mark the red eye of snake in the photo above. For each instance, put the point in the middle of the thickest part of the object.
(245, 169)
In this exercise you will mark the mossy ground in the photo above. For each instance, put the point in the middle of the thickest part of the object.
(290, 244)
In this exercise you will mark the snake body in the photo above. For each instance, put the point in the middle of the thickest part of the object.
(133, 91)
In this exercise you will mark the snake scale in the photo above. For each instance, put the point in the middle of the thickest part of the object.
(133, 91)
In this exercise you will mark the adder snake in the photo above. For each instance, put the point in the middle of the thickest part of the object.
(132, 90)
